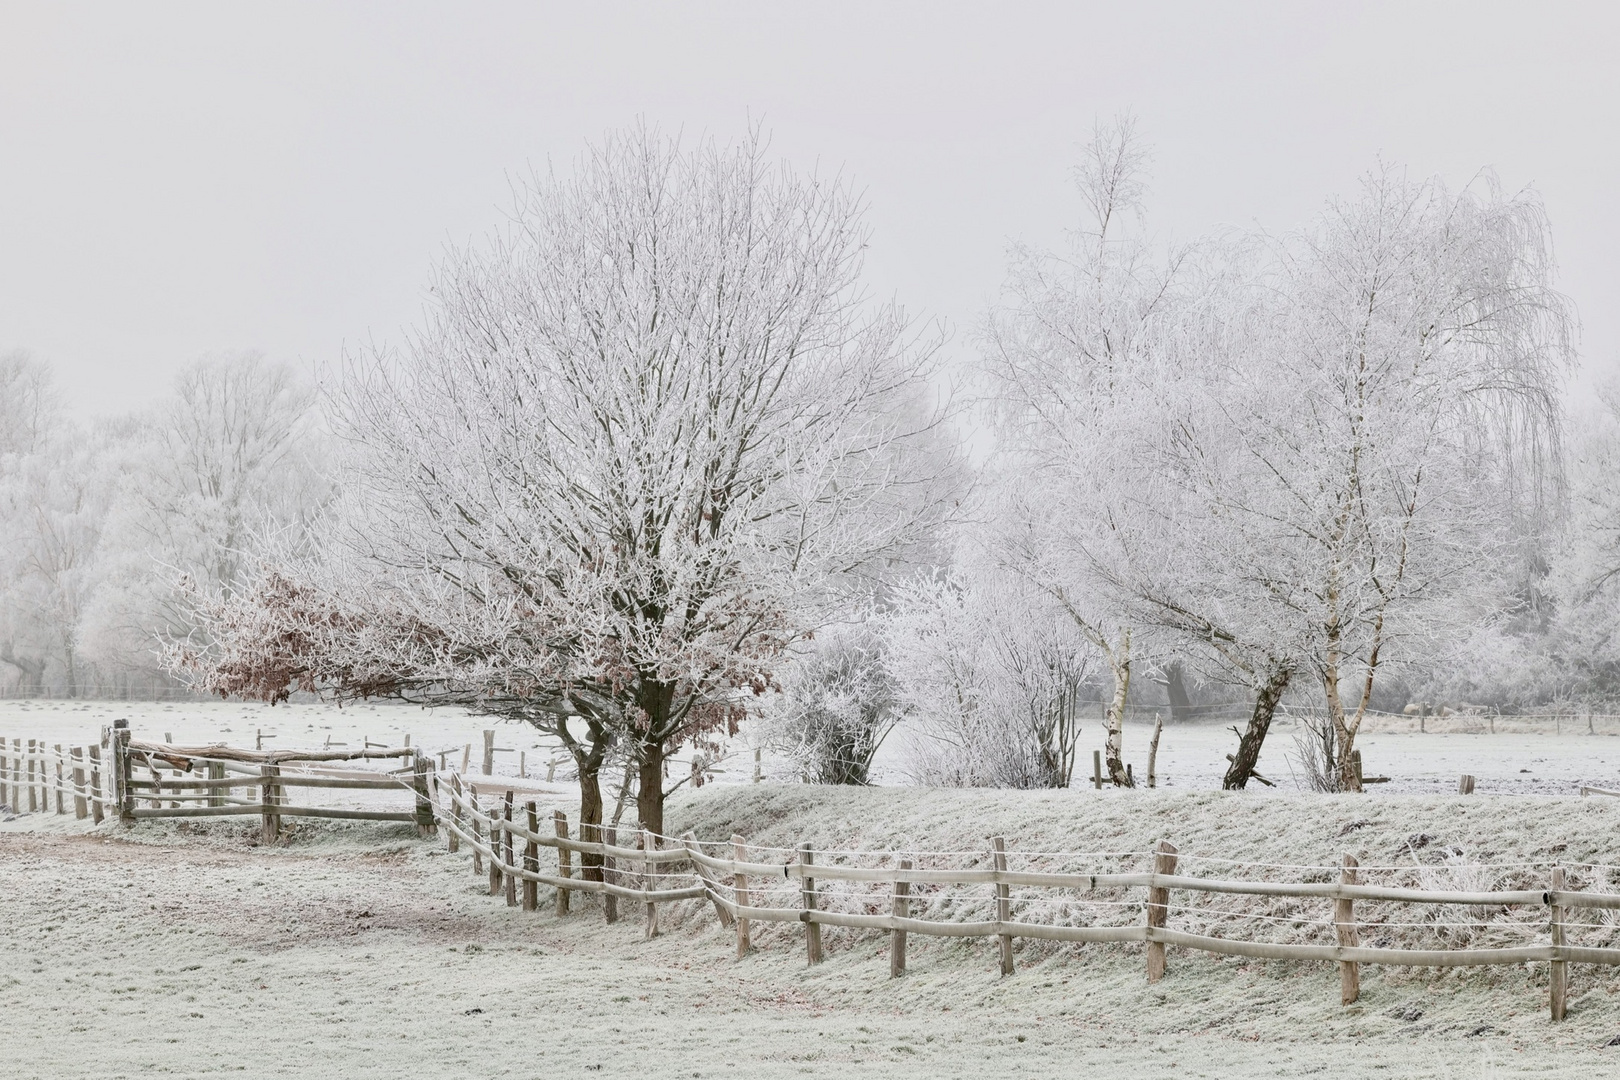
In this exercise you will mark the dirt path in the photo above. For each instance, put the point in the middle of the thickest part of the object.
(196, 957)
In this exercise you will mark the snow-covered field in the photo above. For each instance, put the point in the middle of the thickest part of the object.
(360, 951)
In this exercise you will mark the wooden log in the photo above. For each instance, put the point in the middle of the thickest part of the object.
(1164, 863)
(565, 864)
(1153, 751)
(649, 844)
(488, 766)
(710, 886)
(1465, 784)
(81, 801)
(807, 893)
(1344, 925)
(33, 788)
(61, 801)
(897, 936)
(1558, 984)
(998, 855)
(221, 752)
(269, 796)
(494, 851)
(98, 795)
(531, 858)
(508, 854)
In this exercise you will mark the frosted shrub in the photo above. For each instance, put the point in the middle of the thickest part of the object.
(838, 708)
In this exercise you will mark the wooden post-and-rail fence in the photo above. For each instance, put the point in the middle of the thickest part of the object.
(729, 883)
(121, 775)
(132, 780)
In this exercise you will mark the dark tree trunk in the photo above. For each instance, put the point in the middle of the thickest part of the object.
(650, 788)
(1248, 751)
(1175, 690)
(590, 818)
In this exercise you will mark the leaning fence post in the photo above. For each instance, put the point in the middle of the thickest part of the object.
(610, 900)
(81, 809)
(489, 753)
(739, 884)
(1164, 863)
(807, 890)
(531, 858)
(1003, 902)
(510, 857)
(711, 888)
(97, 794)
(897, 936)
(476, 821)
(1344, 924)
(1559, 983)
(565, 860)
(649, 844)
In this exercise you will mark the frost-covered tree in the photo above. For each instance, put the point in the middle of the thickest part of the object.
(642, 437)
(230, 457)
(1074, 342)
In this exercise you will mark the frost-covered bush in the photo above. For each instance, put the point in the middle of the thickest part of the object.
(989, 680)
(838, 707)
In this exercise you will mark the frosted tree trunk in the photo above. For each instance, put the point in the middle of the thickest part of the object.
(1119, 660)
(1254, 736)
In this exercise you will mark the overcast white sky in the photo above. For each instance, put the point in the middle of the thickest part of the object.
(178, 179)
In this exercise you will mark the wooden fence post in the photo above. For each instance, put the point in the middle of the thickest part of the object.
(531, 857)
(610, 902)
(649, 844)
(61, 801)
(476, 821)
(452, 842)
(897, 937)
(1164, 862)
(756, 765)
(98, 794)
(1003, 901)
(711, 888)
(807, 890)
(1344, 924)
(270, 795)
(510, 856)
(1558, 989)
(216, 771)
(81, 807)
(1096, 769)
(426, 823)
(489, 753)
(33, 789)
(739, 886)
(122, 792)
(5, 774)
(495, 850)
(565, 859)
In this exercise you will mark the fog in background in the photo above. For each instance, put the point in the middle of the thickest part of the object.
(181, 180)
